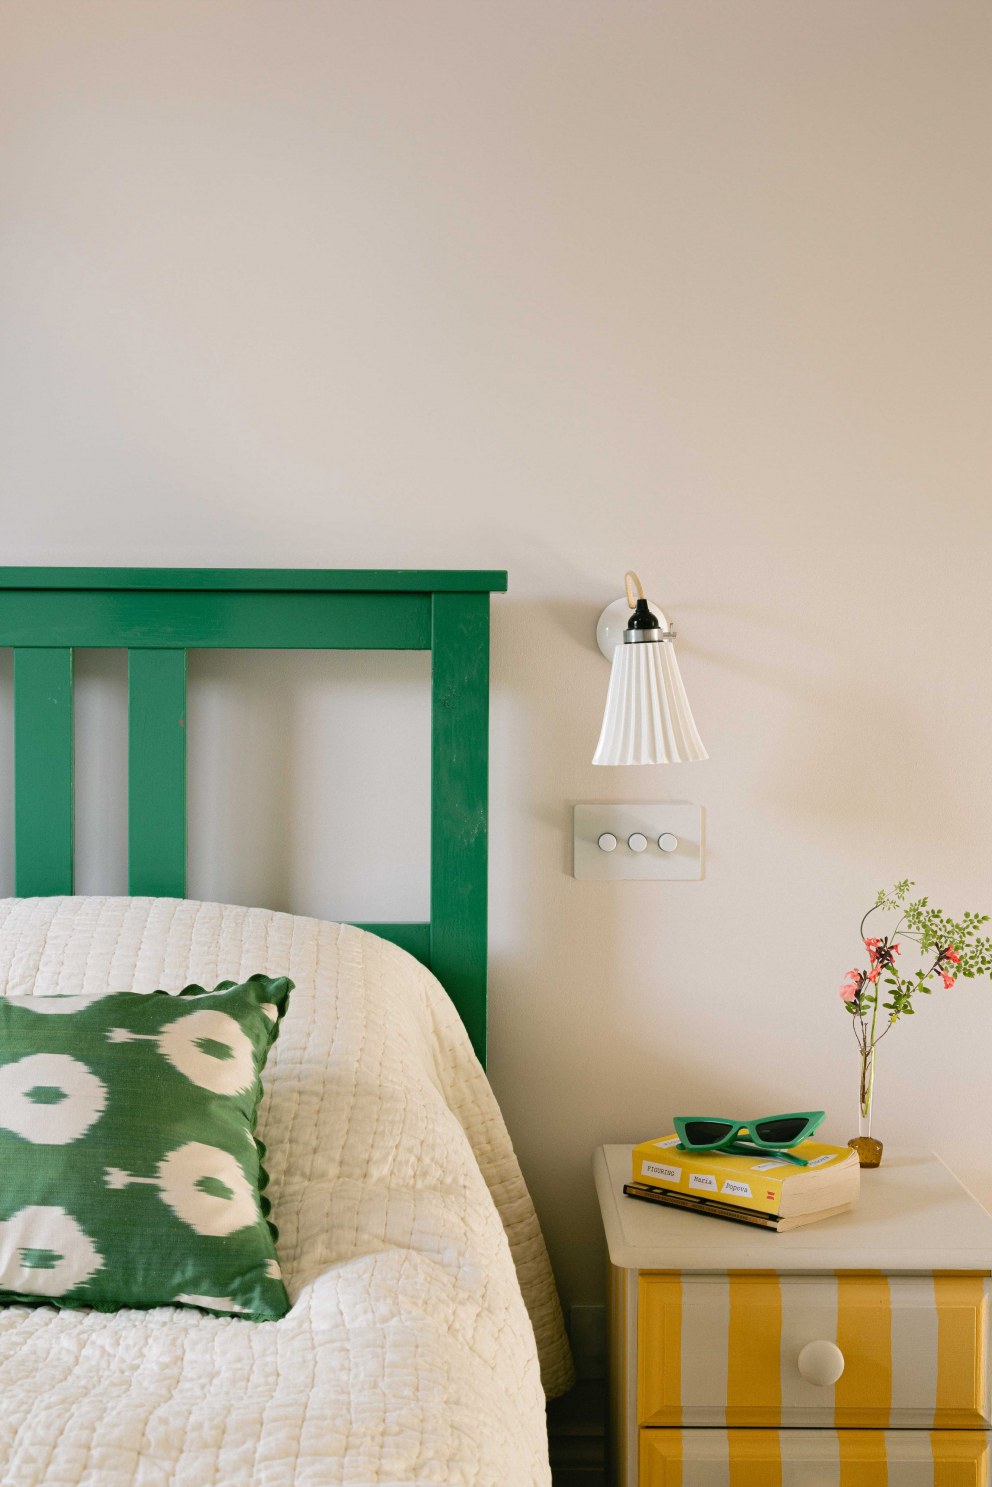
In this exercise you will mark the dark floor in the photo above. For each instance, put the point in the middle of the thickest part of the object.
(577, 1436)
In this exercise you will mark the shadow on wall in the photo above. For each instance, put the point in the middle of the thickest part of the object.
(310, 781)
(829, 752)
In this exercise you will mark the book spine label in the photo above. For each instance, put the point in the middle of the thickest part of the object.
(656, 1169)
(752, 1190)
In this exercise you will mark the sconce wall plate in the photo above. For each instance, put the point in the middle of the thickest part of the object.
(613, 622)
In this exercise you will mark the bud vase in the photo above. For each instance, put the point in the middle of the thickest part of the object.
(869, 1150)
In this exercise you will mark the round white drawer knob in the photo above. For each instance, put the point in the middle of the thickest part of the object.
(667, 842)
(821, 1363)
(638, 842)
(607, 842)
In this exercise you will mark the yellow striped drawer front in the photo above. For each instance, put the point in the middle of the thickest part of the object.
(813, 1458)
(723, 1350)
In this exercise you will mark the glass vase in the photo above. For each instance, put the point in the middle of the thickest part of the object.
(868, 1147)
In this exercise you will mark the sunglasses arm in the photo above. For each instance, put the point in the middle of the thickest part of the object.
(776, 1154)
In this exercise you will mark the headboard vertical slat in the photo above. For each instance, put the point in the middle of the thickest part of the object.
(156, 773)
(459, 804)
(43, 774)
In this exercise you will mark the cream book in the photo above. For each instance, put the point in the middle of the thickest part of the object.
(764, 1185)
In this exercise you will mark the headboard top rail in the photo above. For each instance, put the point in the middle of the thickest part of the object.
(312, 580)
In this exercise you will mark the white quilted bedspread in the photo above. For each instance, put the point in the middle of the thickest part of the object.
(416, 1267)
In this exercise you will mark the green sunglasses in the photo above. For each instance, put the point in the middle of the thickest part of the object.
(768, 1133)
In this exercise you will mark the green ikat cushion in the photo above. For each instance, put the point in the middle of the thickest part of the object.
(130, 1175)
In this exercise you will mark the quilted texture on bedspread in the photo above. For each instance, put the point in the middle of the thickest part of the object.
(409, 1355)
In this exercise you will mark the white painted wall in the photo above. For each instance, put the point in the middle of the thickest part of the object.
(567, 286)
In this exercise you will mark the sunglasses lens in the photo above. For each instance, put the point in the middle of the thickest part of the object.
(705, 1132)
(781, 1132)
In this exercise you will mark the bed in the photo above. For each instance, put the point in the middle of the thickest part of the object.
(425, 1331)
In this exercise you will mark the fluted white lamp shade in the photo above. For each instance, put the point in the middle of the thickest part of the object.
(648, 719)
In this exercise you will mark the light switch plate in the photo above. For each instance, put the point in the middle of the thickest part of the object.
(682, 819)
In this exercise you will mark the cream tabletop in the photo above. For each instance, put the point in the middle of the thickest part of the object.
(913, 1215)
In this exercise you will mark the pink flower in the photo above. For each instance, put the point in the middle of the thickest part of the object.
(951, 954)
(947, 980)
(893, 949)
(874, 941)
(873, 975)
(848, 991)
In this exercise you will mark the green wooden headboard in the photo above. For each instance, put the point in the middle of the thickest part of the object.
(157, 615)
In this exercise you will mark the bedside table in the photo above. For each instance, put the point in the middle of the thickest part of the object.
(713, 1379)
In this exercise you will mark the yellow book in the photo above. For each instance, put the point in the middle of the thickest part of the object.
(762, 1183)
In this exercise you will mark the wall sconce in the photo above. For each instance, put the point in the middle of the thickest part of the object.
(648, 719)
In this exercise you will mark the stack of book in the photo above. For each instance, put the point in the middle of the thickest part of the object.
(764, 1189)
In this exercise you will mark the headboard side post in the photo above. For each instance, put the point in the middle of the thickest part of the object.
(460, 804)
